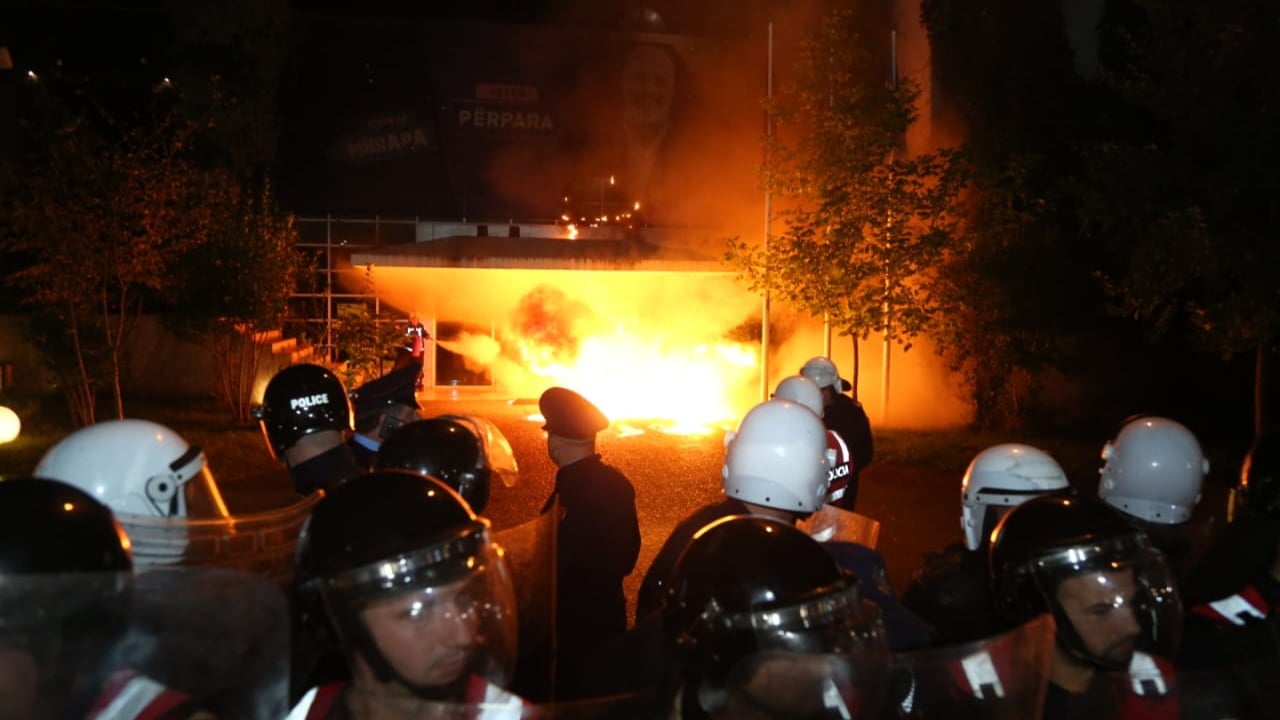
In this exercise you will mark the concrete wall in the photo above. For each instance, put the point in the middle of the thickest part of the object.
(156, 362)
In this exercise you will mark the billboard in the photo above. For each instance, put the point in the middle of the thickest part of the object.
(463, 120)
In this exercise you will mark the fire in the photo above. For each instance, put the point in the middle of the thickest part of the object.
(638, 379)
(654, 350)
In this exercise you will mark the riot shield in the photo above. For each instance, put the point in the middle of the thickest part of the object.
(507, 707)
(1002, 677)
(263, 543)
(494, 445)
(833, 524)
(530, 553)
(1153, 688)
(215, 640)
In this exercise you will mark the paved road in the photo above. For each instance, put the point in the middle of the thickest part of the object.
(918, 509)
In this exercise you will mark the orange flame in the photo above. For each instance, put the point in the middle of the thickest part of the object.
(680, 390)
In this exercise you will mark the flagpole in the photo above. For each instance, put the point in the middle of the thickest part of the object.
(768, 217)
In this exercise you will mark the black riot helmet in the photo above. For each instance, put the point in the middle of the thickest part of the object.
(1048, 539)
(747, 591)
(391, 535)
(300, 400)
(465, 452)
(66, 578)
(1259, 486)
(50, 527)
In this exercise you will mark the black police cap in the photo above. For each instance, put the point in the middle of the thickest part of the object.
(570, 415)
(394, 388)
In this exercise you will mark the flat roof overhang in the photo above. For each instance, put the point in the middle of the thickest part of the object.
(540, 253)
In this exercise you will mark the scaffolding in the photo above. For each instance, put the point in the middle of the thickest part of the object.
(330, 280)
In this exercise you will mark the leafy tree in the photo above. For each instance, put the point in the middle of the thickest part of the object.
(237, 285)
(866, 224)
(1022, 292)
(230, 57)
(1186, 201)
(364, 339)
(104, 211)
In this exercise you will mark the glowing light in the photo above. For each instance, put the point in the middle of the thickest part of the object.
(68, 506)
(573, 231)
(683, 390)
(10, 425)
(653, 350)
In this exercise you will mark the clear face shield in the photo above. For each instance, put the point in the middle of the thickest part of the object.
(441, 621)
(1112, 599)
(825, 658)
(216, 636)
(58, 634)
(494, 447)
(1003, 677)
(188, 490)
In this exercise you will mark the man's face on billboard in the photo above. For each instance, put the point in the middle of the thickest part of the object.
(648, 86)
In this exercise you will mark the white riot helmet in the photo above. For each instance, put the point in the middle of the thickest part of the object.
(1153, 470)
(800, 389)
(823, 372)
(137, 468)
(1003, 476)
(778, 458)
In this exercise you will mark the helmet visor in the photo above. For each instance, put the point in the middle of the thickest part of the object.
(438, 616)
(817, 658)
(202, 498)
(1112, 598)
(441, 636)
(785, 685)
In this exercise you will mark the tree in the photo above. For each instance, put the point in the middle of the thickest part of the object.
(1022, 293)
(364, 339)
(236, 286)
(105, 209)
(866, 224)
(1186, 201)
(229, 61)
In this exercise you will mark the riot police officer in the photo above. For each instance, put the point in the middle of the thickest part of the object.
(382, 406)
(1237, 630)
(599, 533)
(467, 453)
(951, 591)
(800, 389)
(762, 622)
(1113, 600)
(845, 416)
(776, 465)
(1153, 472)
(66, 588)
(138, 468)
(418, 595)
(306, 417)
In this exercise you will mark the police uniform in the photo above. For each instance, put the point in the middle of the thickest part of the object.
(598, 541)
(1147, 690)
(372, 399)
(952, 593)
(325, 471)
(483, 701)
(848, 420)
